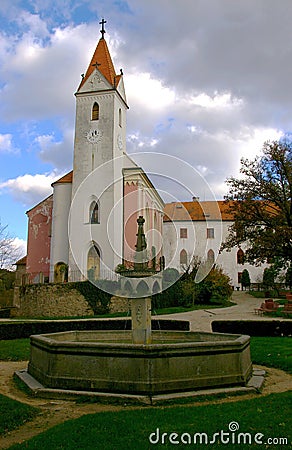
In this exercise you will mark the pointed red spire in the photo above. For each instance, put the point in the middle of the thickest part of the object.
(102, 61)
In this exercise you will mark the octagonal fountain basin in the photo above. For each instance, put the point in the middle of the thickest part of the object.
(107, 361)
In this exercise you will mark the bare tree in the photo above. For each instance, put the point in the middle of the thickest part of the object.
(9, 253)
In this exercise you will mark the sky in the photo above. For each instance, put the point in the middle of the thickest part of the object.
(207, 81)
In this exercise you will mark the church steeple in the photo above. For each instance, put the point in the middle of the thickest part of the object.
(102, 61)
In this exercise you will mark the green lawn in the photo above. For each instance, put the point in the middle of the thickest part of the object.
(126, 430)
(14, 350)
(272, 352)
(13, 414)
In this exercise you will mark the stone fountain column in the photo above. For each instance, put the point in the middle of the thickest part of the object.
(141, 320)
(141, 307)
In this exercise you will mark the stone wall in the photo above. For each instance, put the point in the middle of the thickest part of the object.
(120, 304)
(57, 300)
(50, 300)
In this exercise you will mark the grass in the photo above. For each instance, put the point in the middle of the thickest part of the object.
(130, 429)
(181, 309)
(272, 352)
(14, 350)
(13, 414)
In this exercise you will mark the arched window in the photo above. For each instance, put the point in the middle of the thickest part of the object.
(93, 263)
(211, 257)
(120, 117)
(183, 257)
(94, 212)
(95, 112)
(240, 256)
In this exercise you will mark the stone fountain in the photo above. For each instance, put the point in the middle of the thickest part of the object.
(140, 363)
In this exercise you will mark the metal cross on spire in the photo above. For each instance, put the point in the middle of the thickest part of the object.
(96, 65)
(102, 28)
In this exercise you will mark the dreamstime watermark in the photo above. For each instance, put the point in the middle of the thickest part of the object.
(112, 188)
(232, 436)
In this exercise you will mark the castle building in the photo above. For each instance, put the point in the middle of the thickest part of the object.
(198, 229)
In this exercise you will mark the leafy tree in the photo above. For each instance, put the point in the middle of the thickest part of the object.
(288, 277)
(261, 204)
(269, 277)
(245, 278)
(215, 287)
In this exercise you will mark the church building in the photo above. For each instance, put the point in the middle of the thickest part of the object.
(88, 226)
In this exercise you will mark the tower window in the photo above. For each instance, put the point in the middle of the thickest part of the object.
(120, 117)
(94, 213)
(210, 233)
(95, 112)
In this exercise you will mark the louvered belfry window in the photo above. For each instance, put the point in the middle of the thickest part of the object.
(95, 111)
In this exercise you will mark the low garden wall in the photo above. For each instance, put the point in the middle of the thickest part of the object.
(19, 330)
(254, 327)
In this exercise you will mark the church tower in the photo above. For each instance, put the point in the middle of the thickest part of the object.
(96, 217)
(100, 128)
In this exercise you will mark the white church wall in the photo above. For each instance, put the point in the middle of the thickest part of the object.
(59, 240)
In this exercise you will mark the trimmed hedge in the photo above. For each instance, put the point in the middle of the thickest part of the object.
(19, 330)
(254, 327)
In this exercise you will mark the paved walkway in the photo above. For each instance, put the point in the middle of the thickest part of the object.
(243, 310)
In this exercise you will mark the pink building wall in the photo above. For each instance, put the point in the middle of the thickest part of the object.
(137, 203)
(131, 212)
(39, 239)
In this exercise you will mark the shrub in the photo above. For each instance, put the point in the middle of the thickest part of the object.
(269, 277)
(215, 287)
(185, 292)
(245, 278)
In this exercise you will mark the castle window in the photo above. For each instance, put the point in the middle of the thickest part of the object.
(95, 112)
(183, 257)
(94, 213)
(211, 257)
(183, 233)
(240, 256)
(120, 117)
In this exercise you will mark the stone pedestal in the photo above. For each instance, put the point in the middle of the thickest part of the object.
(141, 320)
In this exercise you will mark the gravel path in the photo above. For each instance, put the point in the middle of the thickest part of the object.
(243, 310)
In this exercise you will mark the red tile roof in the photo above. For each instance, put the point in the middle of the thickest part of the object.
(68, 178)
(197, 211)
(21, 261)
(103, 59)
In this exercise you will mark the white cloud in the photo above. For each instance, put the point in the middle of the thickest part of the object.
(57, 152)
(218, 101)
(40, 75)
(29, 189)
(150, 92)
(20, 245)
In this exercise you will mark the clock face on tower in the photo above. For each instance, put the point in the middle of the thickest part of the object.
(93, 135)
